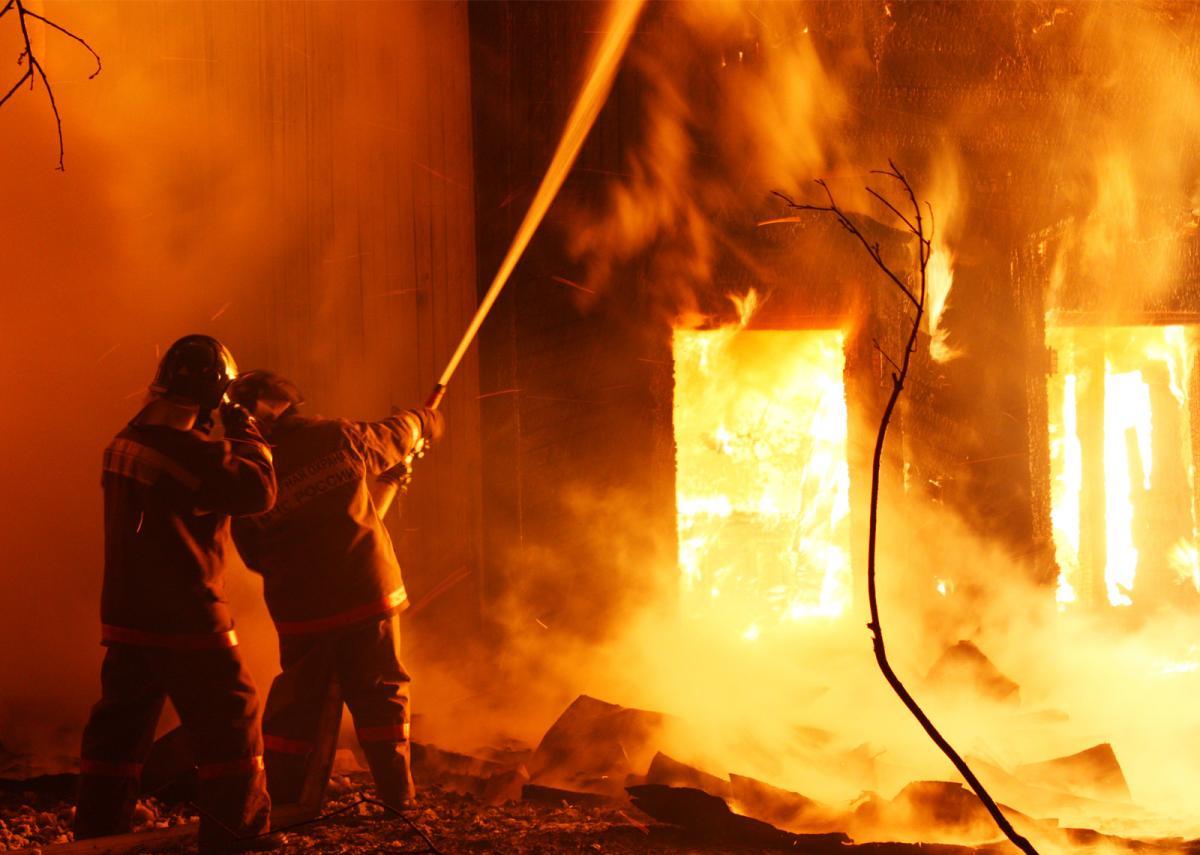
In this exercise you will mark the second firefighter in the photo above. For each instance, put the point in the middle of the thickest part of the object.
(334, 590)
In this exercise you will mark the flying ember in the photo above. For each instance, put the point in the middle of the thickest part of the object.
(762, 482)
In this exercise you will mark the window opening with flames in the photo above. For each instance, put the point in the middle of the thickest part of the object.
(762, 481)
(1122, 488)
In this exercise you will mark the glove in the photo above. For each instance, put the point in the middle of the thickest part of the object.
(237, 420)
(433, 423)
(400, 475)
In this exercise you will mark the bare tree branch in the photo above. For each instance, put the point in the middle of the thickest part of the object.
(16, 86)
(915, 224)
(885, 354)
(33, 66)
(848, 225)
(66, 32)
(892, 208)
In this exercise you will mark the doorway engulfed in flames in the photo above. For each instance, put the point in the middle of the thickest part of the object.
(1122, 464)
(762, 479)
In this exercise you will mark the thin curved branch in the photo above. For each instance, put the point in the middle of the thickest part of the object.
(892, 208)
(34, 70)
(916, 227)
(848, 225)
(885, 354)
(66, 32)
(28, 73)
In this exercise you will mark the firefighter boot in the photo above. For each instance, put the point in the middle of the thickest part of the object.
(390, 768)
(234, 811)
(286, 774)
(105, 805)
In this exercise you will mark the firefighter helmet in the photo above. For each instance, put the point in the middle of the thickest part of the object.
(262, 385)
(198, 369)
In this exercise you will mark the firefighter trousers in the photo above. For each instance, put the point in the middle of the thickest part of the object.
(217, 703)
(359, 666)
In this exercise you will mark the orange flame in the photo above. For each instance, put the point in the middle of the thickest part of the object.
(1119, 438)
(762, 482)
(939, 279)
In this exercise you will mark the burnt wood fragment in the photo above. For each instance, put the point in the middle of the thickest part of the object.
(556, 796)
(1093, 773)
(967, 669)
(784, 808)
(671, 773)
(594, 746)
(707, 815)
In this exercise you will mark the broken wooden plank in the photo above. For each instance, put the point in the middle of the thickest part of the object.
(710, 816)
(964, 668)
(556, 796)
(1094, 773)
(671, 773)
(593, 746)
(783, 808)
(930, 811)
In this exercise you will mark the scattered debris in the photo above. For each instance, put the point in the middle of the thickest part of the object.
(932, 811)
(1093, 773)
(504, 787)
(459, 773)
(711, 817)
(783, 808)
(963, 668)
(554, 796)
(594, 746)
(590, 793)
(672, 773)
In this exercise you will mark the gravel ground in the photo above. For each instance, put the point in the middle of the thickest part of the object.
(454, 823)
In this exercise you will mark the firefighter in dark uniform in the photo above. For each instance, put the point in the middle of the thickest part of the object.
(169, 493)
(333, 587)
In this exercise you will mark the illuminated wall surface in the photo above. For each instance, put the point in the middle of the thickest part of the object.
(762, 483)
(293, 178)
(1122, 465)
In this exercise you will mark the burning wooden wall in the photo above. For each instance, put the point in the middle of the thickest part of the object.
(579, 381)
(577, 384)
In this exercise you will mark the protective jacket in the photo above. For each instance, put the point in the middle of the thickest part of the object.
(168, 495)
(326, 559)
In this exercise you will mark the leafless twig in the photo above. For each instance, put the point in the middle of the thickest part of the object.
(916, 226)
(33, 67)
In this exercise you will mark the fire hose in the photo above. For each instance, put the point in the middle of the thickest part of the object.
(622, 17)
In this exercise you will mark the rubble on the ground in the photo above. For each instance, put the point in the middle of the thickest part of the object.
(966, 670)
(600, 781)
(1092, 773)
(594, 746)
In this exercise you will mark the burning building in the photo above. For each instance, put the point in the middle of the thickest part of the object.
(656, 484)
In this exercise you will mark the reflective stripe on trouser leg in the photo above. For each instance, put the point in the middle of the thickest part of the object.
(214, 694)
(241, 767)
(301, 722)
(376, 688)
(386, 748)
(283, 745)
